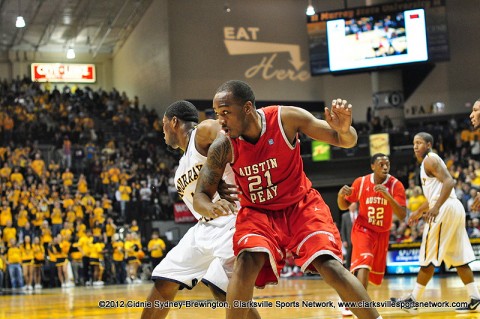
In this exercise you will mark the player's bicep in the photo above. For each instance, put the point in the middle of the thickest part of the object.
(433, 167)
(297, 119)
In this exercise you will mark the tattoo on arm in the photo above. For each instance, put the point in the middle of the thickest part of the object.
(218, 153)
(217, 160)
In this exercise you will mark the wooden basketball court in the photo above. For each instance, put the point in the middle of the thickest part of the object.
(83, 302)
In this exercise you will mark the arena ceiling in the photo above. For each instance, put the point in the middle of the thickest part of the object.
(87, 26)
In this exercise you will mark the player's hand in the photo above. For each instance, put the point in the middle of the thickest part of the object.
(345, 190)
(414, 217)
(381, 189)
(222, 207)
(229, 192)
(431, 214)
(476, 203)
(340, 116)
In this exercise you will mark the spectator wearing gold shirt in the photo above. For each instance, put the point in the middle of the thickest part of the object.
(56, 218)
(14, 261)
(22, 217)
(132, 247)
(124, 196)
(46, 235)
(67, 178)
(82, 185)
(5, 214)
(27, 261)
(96, 260)
(39, 260)
(5, 172)
(85, 244)
(16, 176)
(38, 166)
(110, 229)
(156, 248)
(9, 232)
(119, 259)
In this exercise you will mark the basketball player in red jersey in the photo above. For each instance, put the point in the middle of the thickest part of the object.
(379, 195)
(279, 208)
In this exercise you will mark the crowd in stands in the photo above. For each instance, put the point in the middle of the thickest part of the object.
(73, 162)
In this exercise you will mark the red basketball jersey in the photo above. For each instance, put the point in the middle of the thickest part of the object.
(374, 212)
(269, 173)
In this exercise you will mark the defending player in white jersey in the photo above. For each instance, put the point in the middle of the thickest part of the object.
(206, 251)
(445, 237)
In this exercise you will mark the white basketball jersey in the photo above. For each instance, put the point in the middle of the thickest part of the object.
(431, 185)
(187, 174)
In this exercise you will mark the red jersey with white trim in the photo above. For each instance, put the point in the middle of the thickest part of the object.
(374, 211)
(269, 173)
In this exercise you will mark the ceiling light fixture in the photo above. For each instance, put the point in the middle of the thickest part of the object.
(310, 9)
(70, 53)
(20, 22)
(227, 8)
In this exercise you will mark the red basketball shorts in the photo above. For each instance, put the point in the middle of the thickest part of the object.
(305, 228)
(369, 251)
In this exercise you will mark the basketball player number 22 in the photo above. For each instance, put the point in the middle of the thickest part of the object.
(375, 215)
(255, 182)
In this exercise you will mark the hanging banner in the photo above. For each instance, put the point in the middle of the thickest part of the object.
(379, 143)
(182, 214)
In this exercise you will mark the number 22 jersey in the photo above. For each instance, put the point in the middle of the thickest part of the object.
(374, 211)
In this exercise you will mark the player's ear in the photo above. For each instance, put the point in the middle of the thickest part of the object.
(174, 121)
(248, 107)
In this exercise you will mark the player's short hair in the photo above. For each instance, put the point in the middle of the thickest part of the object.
(427, 137)
(240, 90)
(183, 110)
(376, 156)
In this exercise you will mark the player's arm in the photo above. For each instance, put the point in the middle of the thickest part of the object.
(336, 129)
(207, 132)
(219, 154)
(341, 201)
(434, 168)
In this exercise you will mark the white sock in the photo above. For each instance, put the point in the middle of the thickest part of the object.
(417, 291)
(473, 290)
(379, 317)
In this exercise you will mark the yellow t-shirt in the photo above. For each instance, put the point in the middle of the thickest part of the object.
(38, 251)
(56, 217)
(9, 233)
(22, 218)
(125, 192)
(5, 215)
(14, 255)
(27, 252)
(414, 202)
(156, 247)
(118, 251)
(85, 243)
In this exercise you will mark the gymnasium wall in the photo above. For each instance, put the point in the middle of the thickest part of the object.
(268, 44)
